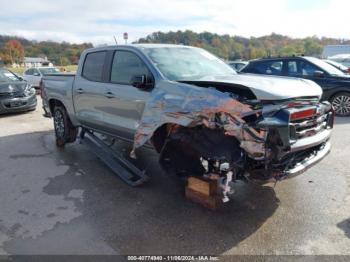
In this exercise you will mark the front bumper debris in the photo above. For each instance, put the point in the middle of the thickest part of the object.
(309, 162)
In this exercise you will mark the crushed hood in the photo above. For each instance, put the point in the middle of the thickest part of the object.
(12, 87)
(271, 87)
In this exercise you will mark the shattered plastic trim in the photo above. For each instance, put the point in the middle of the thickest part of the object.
(189, 106)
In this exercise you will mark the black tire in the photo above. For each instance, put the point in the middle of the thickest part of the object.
(64, 130)
(341, 104)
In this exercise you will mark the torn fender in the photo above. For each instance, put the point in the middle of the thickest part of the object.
(189, 106)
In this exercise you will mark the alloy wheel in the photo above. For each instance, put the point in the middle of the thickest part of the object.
(341, 105)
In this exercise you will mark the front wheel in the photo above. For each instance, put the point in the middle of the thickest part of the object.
(64, 130)
(341, 104)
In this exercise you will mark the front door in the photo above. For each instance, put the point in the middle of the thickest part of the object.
(123, 103)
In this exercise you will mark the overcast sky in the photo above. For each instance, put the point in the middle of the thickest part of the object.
(97, 21)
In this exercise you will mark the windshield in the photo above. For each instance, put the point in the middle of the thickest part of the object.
(183, 63)
(326, 67)
(336, 64)
(7, 76)
(48, 70)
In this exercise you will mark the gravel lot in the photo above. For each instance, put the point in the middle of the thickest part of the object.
(68, 202)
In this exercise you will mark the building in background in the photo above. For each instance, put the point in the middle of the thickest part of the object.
(36, 62)
(333, 50)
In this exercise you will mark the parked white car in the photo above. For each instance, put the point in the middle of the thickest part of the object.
(33, 75)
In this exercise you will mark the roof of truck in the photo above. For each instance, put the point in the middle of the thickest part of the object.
(137, 46)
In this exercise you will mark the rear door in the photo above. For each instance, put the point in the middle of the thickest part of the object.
(88, 91)
(123, 103)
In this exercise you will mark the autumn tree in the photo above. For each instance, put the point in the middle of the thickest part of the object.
(15, 51)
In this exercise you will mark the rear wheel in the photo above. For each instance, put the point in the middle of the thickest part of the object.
(64, 130)
(341, 104)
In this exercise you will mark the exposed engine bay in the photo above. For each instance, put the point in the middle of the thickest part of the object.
(226, 136)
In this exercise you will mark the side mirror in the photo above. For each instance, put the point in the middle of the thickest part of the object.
(319, 73)
(36, 74)
(142, 81)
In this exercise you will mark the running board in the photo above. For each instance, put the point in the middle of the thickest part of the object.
(126, 170)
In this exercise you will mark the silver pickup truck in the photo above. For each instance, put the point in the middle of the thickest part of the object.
(202, 117)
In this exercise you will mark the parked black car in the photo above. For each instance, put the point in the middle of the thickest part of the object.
(341, 67)
(335, 84)
(16, 95)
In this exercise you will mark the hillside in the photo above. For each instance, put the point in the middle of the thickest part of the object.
(225, 46)
(235, 47)
(59, 53)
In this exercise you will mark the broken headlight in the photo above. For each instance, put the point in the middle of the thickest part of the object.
(29, 90)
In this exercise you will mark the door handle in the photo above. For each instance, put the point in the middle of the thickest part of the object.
(80, 90)
(109, 94)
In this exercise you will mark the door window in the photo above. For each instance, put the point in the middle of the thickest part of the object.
(269, 68)
(307, 69)
(36, 72)
(29, 72)
(93, 66)
(292, 68)
(126, 65)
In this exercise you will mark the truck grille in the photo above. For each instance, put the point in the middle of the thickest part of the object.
(310, 126)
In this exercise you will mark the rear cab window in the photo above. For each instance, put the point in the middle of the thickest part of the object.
(93, 66)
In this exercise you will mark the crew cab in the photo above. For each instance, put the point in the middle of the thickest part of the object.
(202, 117)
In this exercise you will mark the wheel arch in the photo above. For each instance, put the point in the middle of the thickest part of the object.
(159, 136)
(338, 91)
(55, 102)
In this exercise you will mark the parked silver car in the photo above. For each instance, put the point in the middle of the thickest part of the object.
(34, 75)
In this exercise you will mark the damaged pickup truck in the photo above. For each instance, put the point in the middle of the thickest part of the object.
(202, 118)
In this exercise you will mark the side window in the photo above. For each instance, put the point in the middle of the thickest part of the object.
(275, 68)
(29, 72)
(93, 66)
(269, 68)
(293, 68)
(36, 72)
(307, 69)
(126, 65)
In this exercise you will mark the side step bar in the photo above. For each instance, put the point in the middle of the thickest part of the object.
(126, 170)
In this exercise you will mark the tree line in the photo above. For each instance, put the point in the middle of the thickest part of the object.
(237, 47)
(14, 49)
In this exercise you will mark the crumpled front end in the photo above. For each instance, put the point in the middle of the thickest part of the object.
(18, 98)
(225, 137)
(300, 139)
(198, 107)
